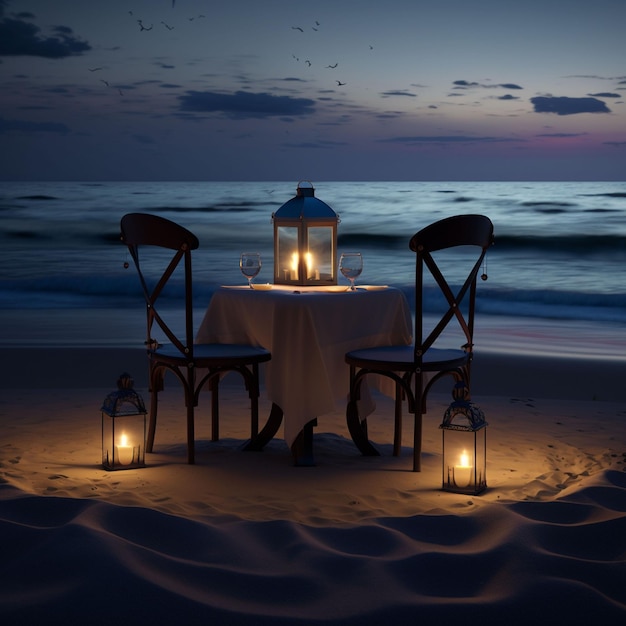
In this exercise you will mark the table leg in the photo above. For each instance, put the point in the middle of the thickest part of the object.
(302, 447)
(268, 431)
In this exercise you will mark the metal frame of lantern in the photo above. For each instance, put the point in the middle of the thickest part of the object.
(305, 240)
(123, 427)
(464, 446)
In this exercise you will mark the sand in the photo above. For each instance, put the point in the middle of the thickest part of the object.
(247, 538)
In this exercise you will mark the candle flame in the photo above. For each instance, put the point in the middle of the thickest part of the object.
(465, 459)
(294, 261)
(123, 439)
(308, 258)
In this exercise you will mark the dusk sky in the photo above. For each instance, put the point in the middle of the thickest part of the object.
(324, 90)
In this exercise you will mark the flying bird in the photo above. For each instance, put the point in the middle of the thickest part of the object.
(297, 28)
(105, 82)
(308, 62)
(142, 27)
(340, 84)
(94, 69)
(332, 67)
(167, 26)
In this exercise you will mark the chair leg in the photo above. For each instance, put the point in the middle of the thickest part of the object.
(191, 439)
(356, 426)
(155, 376)
(397, 432)
(417, 440)
(254, 402)
(154, 396)
(215, 409)
(417, 423)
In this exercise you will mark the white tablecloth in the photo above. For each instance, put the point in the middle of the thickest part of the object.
(308, 332)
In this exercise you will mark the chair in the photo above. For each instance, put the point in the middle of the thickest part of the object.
(416, 368)
(194, 365)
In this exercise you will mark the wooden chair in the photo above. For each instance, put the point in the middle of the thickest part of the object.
(195, 365)
(416, 368)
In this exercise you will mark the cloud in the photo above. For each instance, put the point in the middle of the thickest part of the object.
(397, 92)
(446, 139)
(561, 135)
(464, 84)
(568, 106)
(20, 38)
(508, 96)
(22, 126)
(244, 105)
(605, 94)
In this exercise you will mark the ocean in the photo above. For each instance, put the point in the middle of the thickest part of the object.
(557, 271)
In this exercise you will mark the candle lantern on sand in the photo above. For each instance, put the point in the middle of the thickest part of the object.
(305, 240)
(464, 435)
(123, 427)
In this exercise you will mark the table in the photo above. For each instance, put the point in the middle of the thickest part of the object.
(308, 330)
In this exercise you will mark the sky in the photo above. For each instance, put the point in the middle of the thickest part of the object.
(277, 90)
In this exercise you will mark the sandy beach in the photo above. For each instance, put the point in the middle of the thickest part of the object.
(247, 538)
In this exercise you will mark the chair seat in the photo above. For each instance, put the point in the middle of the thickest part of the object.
(211, 354)
(402, 358)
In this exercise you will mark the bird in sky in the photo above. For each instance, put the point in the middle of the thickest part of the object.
(142, 27)
(332, 67)
(297, 28)
(104, 81)
(94, 69)
(167, 26)
(340, 84)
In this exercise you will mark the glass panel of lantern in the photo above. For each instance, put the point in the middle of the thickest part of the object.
(123, 427)
(464, 444)
(305, 240)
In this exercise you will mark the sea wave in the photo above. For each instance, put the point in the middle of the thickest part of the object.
(119, 291)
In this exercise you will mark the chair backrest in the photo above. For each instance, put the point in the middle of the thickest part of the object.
(472, 235)
(142, 229)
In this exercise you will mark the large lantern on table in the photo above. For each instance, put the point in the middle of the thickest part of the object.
(305, 240)
(464, 438)
(123, 427)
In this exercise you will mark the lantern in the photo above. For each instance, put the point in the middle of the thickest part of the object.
(123, 427)
(464, 437)
(305, 240)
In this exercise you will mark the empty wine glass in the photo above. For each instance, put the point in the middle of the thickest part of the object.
(250, 265)
(351, 266)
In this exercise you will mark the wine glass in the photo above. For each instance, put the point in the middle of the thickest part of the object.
(351, 266)
(250, 265)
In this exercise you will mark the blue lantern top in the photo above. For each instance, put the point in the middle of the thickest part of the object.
(304, 205)
(125, 400)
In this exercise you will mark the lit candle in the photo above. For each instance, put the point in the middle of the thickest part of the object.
(308, 259)
(124, 451)
(294, 266)
(463, 471)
